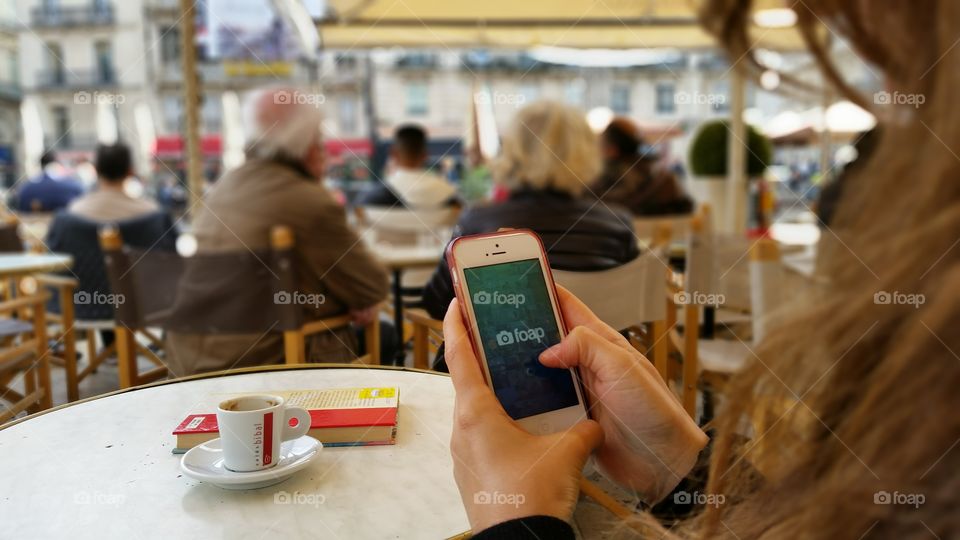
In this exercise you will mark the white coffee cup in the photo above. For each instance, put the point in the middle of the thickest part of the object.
(252, 428)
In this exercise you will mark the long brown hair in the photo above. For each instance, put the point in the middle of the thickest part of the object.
(860, 390)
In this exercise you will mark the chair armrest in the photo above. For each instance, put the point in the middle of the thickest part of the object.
(35, 300)
(325, 325)
(52, 280)
(421, 317)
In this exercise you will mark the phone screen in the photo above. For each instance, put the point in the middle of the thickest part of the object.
(516, 322)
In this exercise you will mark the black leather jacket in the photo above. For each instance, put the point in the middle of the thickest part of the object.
(578, 234)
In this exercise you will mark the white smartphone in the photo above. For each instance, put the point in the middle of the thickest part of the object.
(509, 303)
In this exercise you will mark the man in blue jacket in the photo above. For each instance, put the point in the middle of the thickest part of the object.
(49, 191)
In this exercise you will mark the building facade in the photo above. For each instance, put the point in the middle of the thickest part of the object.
(10, 97)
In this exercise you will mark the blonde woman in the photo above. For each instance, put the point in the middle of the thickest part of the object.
(550, 159)
(859, 391)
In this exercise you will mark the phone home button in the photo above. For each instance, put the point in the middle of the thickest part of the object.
(544, 428)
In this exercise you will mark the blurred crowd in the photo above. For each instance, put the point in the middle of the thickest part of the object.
(578, 190)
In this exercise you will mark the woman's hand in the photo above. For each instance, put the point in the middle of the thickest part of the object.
(650, 443)
(502, 471)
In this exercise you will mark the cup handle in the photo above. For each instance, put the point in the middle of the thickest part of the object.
(303, 423)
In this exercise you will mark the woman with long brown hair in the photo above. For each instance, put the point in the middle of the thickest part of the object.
(858, 390)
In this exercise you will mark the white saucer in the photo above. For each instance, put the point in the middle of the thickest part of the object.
(205, 463)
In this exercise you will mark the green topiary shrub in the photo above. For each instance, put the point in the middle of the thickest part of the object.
(708, 153)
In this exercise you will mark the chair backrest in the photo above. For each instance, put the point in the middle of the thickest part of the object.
(10, 241)
(407, 226)
(79, 237)
(164, 289)
(624, 296)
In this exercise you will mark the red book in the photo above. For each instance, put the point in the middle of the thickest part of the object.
(338, 417)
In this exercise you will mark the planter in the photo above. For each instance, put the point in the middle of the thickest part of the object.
(712, 190)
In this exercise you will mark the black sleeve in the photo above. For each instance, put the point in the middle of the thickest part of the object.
(528, 528)
(438, 292)
(54, 239)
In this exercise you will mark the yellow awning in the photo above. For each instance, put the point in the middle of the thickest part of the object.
(613, 24)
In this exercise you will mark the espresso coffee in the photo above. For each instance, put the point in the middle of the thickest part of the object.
(248, 404)
(252, 428)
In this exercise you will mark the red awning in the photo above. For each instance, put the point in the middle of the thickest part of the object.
(171, 146)
(348, 148)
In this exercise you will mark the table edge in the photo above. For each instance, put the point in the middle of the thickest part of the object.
(217, 374)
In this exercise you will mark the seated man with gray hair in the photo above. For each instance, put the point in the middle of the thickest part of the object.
(280, 184)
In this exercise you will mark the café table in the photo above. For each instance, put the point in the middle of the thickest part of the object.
(103, 468)
(13, 265)
(399, 259)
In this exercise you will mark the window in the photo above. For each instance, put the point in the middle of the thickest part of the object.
(620, 99)
(666, 100)
(417, 99)
(57, 74)
(173, 114)
(170, 45)
(103, 59)
(61, 125)
(211, 113)
(347, 115)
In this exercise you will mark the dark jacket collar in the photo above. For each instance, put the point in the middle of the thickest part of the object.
(525, 193)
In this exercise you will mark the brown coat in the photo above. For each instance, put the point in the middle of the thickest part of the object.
(237, 215)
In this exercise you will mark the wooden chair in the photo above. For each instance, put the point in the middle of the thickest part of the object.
(631, 295)
(24, 351)
(128, 347)
(79, 309)
(709, 363)
(294, 338)
(148, 283)
(427, 336)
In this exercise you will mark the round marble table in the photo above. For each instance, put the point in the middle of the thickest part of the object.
(102, 468)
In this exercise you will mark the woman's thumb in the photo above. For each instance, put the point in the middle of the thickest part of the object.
(586, 349)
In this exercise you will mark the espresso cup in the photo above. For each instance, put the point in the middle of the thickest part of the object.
(252, 428)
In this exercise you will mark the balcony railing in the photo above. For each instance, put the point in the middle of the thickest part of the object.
(74, 79)
(66, 16)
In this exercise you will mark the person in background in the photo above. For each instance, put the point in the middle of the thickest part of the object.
(830, 193)
(411, 184)
(280, 184)
(51, 190)
(632, 178)
(109, 201)
(549, 159)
